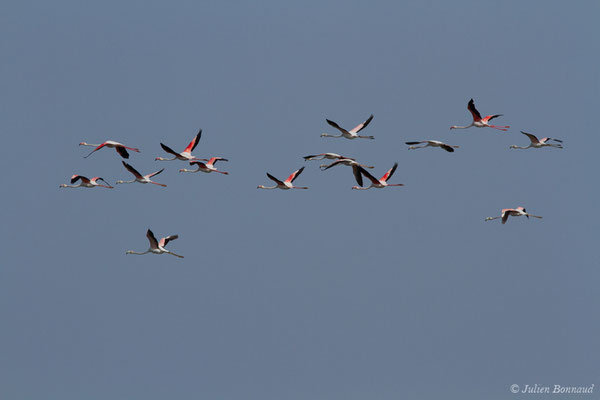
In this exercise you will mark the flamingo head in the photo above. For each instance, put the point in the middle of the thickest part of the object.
(83, 144)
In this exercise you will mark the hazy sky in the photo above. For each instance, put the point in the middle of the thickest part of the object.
(326, 293)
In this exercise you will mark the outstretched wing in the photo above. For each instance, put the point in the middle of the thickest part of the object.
(132, 170)
(154, 173)
(190, 147)
(75, 178)
(294, 175)
(213, 160)
(368, 175)
(97, 148)
(491, 117)
(168, 149)
(122, 151)
(446, 147)
(165, 240)
(357, 175)
(531, 137)
(152, 239)
(413, 143)
(271, 177)
(474, 112)
(362, 126)
(336, 126)
(389, 174)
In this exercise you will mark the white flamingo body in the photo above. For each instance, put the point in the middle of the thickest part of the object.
(157, 247)
(139, 177)
(432, 143)
(377, 183)
(207, 167)
(514, 212)
(480, 122)
(120, 148)
(86, 183)
(284, 185)
(351, 134)
(539, 143)
(186, 154)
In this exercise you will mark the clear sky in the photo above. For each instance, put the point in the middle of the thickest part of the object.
(326, 293)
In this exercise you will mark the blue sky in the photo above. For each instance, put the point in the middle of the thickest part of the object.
(326, 293)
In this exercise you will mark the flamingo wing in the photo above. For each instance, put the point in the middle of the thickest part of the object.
(368, 175)
(198, 163)
(533, 138)
(362, 126)
(294, 175)
(357, 175)
(132, 170)
(122, 151)
(96, 149)
(190, 147)
(154, 173)
(152, 239)
(163, 242)
(491, 117)
(75, 178)
(414, 143)
(389, 174)
(277, 181)
(336, 126)
(168, 149)
(474, 112)
(446, 147)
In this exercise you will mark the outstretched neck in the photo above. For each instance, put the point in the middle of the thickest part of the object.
(266, 187)
(328, 135)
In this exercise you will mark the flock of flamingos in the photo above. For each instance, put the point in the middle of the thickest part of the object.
(359, 170)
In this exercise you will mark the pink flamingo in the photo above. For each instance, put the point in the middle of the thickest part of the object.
(378, 183)
(206, 167)
(538, 143)
(351, 134)
(515, 212)
(480, 122)
(85, 182)
(121, 148)
(157, 247)
(186, 154)
(285, 185)
(139, 177)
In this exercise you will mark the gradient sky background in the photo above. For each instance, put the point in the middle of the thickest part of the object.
(326, 293)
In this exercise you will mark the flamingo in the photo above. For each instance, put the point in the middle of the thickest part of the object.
(432, 143)
(186, 154)
(352, 134)
(515, 212)
(351, 162)
(378, 183)
(538, 143)
(121, 148)
(139, 177)
(322, 156)
(285, 185)
(157, 247)
(85, 182)
(206, 167)
(480, 122)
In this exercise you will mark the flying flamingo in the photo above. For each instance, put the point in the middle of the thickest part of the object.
(322, 156)
(157, 247)
(352, 134)
(378, 183)
(432, 143)
(85, 182)
(139, 177)
(480, 122)
(121, 148)
(538, 143)
(206, 167)
(515, 212)
(285, 185)
(186, 154)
